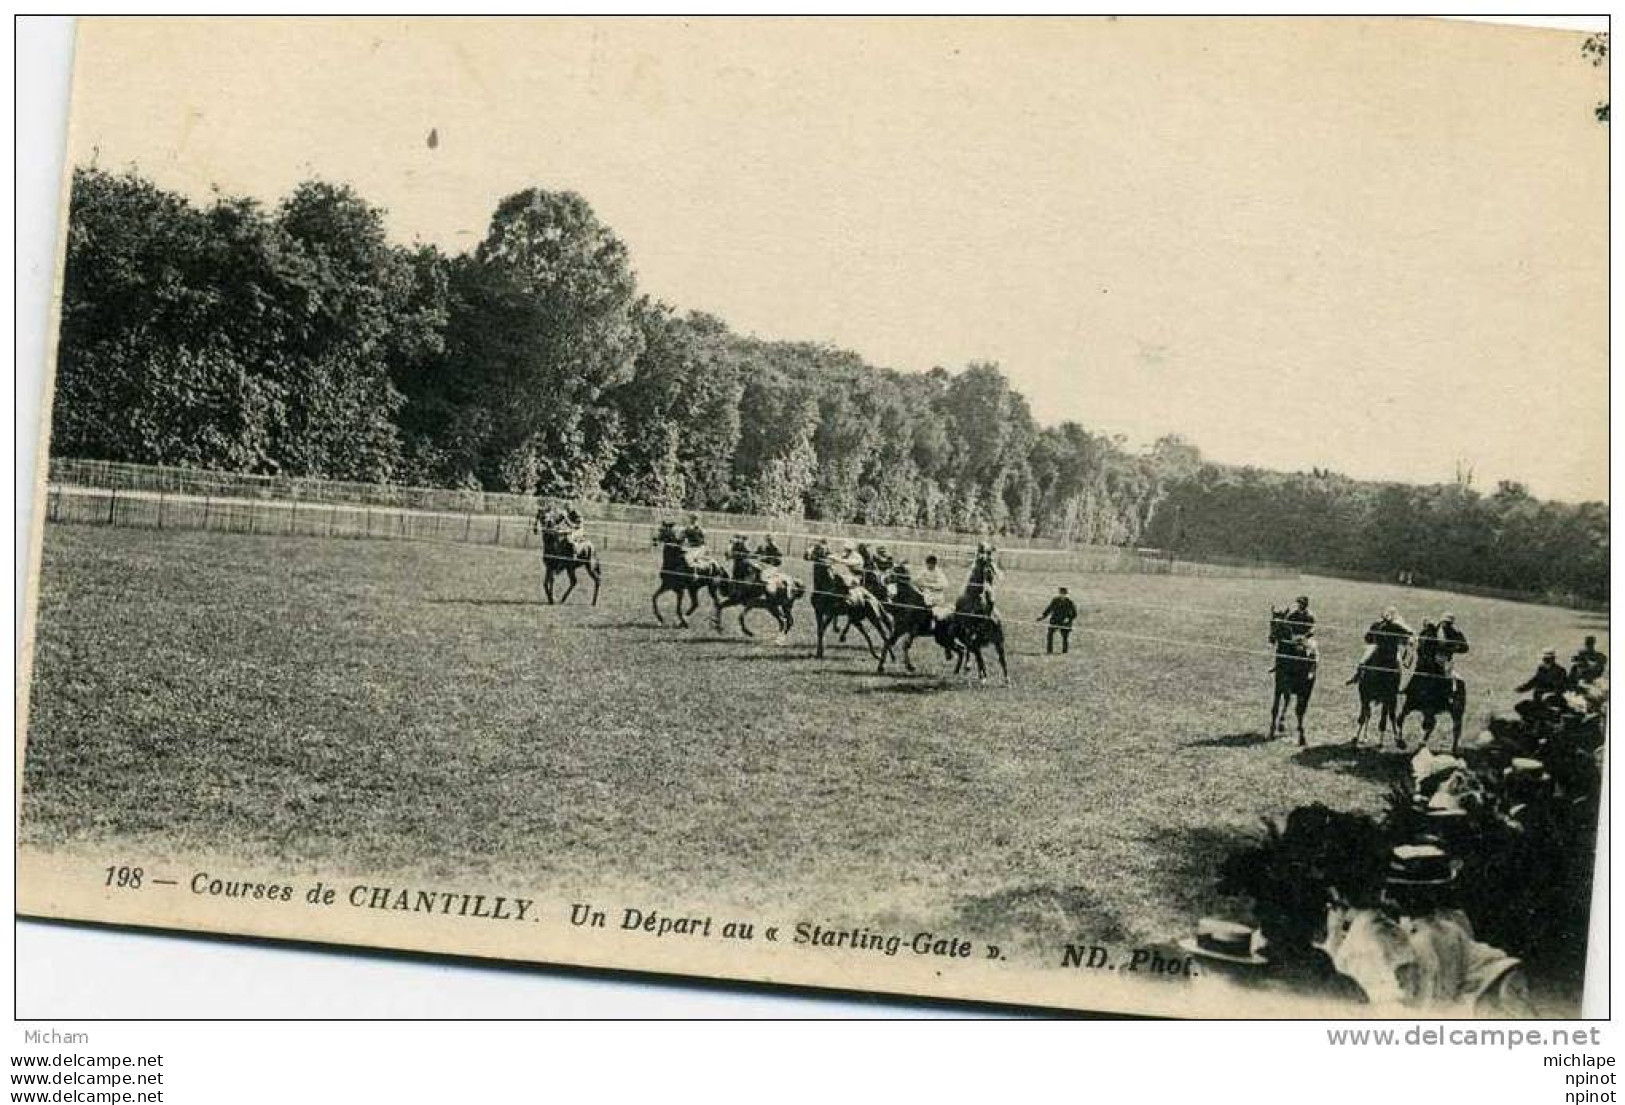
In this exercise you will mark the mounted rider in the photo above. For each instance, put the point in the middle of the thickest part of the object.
(1588, 665)
(850, 559)
(1385, 640)
(1452, 643)
(768, 552)
(692, 540)
(1299, 625)
(932, 584)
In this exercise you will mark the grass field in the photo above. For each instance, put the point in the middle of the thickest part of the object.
(413, 708)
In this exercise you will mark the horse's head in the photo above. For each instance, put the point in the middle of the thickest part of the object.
(739, 547)
(1280, 628)
(818, 550)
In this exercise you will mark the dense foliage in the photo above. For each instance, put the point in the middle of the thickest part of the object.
(301, 341)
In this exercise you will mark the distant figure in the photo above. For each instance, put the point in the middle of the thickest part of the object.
(693, 536)
(1549, 681)
(1588, 665)
(1060, 613)
(768, 552)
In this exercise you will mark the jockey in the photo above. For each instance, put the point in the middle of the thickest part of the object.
(881, 562)
(746, 569)
(572, 525)
(1302, 626)
(933, 586)
(1299, 618)
(768, 551)
(1588, 665)
(1384, 639)
(850, 558)
(693, 537)
(1452, 642)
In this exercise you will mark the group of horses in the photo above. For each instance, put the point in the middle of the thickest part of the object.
(843, 597)
(1433, 689)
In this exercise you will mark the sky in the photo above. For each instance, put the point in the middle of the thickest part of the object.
(1371, 245)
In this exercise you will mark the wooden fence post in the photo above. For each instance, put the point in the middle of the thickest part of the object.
(160, 510)
(112, 497)
(497, 539)
(207, 503)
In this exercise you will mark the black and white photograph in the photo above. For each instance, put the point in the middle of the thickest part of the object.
(1096, 515)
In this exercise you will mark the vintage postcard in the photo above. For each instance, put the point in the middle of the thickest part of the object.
(1098, 514)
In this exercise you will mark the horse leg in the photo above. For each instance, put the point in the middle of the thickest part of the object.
(868, 642)
(569, 572)
(998, 651)
(655, 602)
(1362, 721)
(1303, 708)
(908, 664)
(597, 574)
(821, 622)
(547, 584)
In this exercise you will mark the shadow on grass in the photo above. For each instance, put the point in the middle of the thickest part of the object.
(1362, 762)
(490, 602)
(1049, 914)
(780, 655)
(1232, 740)
(919, 684)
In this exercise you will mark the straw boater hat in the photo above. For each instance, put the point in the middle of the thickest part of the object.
(1225, 941)
(1422, 865)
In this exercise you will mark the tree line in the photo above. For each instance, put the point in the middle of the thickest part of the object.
(300, 340)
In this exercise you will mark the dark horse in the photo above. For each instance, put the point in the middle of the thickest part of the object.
(911, 617)
(836, 593)
(974, 625)
(567, 552)
(1378, 685)
(1295, 662)
(685, 575)
(1433, 690)
(758, 587)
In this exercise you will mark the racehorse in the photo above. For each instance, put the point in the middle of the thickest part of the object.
(563, 551)
(1379, 685)
(684, 574)
(1296, 660)
(875, 583)
(972, 627)
(1432, 690)
(838, 592)
(911, 617)
(757, 587)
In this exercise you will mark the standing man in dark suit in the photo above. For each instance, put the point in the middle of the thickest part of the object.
(1060, 613)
